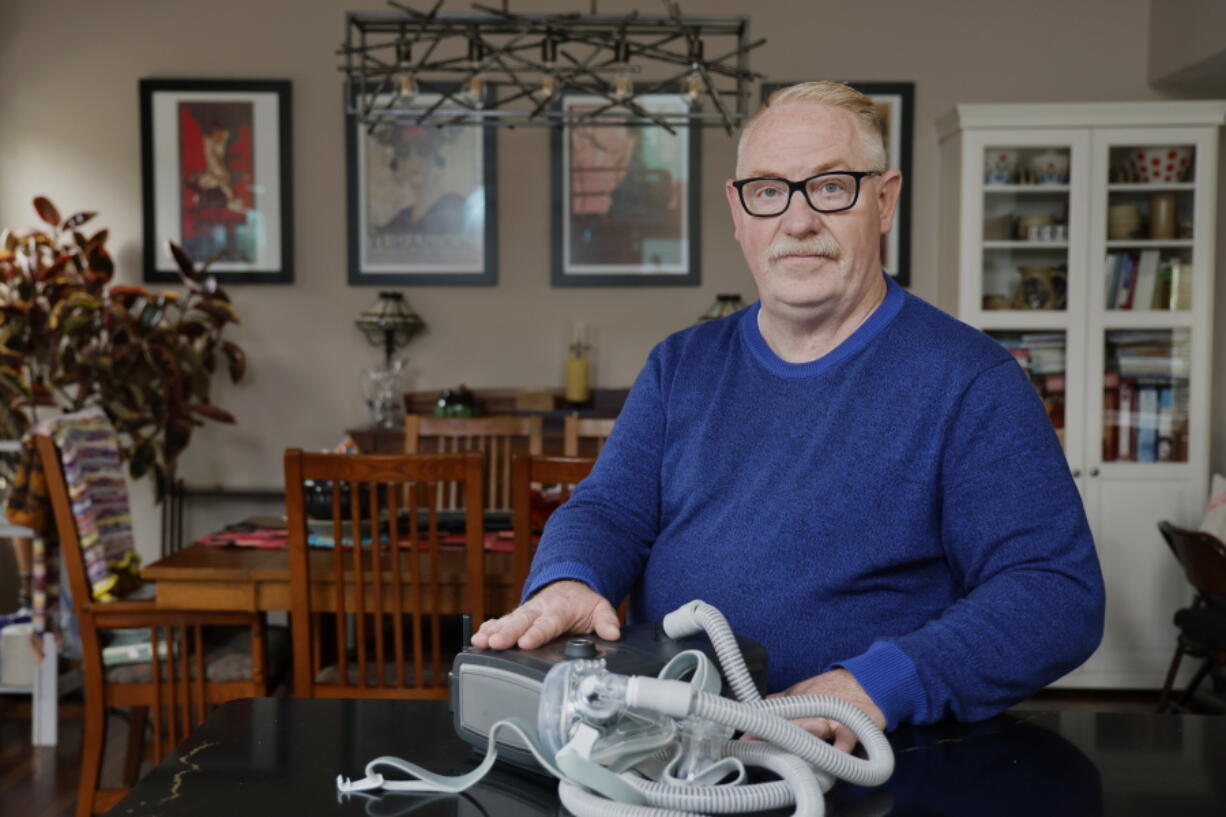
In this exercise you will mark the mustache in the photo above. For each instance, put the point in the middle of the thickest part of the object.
(817, 245)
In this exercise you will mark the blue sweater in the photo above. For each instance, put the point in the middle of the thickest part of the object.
(899, 507)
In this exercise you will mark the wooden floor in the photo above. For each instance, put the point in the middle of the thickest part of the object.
(42, 782)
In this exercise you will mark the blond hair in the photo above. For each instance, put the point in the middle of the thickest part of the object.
(836, 95)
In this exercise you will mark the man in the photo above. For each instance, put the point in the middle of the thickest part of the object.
(855, 479)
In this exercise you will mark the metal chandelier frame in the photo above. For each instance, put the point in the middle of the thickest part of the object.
(499, 68)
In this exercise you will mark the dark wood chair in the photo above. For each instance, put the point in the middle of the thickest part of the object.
(192, 675)
(1202, 627)
(565, 472)
(368, 621)
(494, 438)
(585, 432)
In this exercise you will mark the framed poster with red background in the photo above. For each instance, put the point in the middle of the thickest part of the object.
(216, 167)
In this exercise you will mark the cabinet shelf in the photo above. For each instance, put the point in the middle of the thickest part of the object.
(1025, 245)
(1026, 189)
(1145, 243)
(1150, 187)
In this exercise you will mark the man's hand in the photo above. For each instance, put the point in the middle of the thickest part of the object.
(561, 607)
(841, 684)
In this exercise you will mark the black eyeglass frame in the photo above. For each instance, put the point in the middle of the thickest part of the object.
(800, 186)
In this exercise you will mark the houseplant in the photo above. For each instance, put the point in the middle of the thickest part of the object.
(70, 338)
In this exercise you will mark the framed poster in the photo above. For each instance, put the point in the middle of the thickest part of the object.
(420, 201)
(625, 208)
(896, 105)
(216, 168)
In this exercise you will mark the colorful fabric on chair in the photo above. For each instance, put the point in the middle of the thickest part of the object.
(98, 491)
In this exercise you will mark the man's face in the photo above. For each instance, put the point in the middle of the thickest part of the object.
(807, 263)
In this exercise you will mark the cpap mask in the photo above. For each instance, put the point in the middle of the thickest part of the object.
(638, 746)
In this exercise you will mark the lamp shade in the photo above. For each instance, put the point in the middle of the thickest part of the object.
(390, 322)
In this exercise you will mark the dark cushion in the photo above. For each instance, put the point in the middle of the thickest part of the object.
(1205, 625)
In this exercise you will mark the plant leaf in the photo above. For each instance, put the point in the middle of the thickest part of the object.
(77, 219)
(46, 211)
(142, 458)
(220, 311)
(236, 358)
(187, 267)
(213, 412)
(100, 261)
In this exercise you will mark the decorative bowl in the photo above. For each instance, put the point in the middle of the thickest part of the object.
(1162, 163)
(999, 166)
(1050, 167)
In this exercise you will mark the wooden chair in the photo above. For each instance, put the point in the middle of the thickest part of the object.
(176, 689)
(1202, 627)
(364, 649)
(493, 437)
(526, 470)
(576, 428)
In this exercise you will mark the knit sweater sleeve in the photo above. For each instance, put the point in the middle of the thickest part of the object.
(1015, 531)
(603, 533)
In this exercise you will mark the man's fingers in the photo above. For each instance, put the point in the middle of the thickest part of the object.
(605, 623)
(844, 738)
(544, 629)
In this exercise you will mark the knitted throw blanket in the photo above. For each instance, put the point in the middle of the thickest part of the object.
(93, 471)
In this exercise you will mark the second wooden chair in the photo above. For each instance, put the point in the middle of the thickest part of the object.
(372, 576)
(494, 438)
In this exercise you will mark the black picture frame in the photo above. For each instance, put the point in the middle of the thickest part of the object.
(217, 178)
(897, 102)
(455, 243)
(613, 249)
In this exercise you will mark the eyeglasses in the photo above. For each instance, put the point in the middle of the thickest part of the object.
(768, 196)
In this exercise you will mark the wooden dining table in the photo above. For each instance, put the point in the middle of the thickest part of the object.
(250, 579)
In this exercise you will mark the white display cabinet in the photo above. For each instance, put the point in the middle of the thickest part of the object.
(1082, 237)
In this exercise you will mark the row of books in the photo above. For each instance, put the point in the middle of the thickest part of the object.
(1039, 353)
(1149, 353)
(1145, 280)
(1143, 421)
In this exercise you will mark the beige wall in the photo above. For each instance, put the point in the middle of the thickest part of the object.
(68, 104)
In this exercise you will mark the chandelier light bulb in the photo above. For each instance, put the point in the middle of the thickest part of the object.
(474, 91)
(623, 88)
(407, 85)
(548, 87)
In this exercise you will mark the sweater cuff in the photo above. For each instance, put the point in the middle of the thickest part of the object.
(889, 677)
(576, 571)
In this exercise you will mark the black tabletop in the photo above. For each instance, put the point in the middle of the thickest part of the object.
(274, 756)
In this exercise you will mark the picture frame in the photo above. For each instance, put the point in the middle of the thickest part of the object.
(625, 207)
(896, 103)
(217, 178)
(389, 169)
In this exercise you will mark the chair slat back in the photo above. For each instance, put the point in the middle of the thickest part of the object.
(1202, 556)
(526, 471)
(494, 438)
(382, 527)
(588, 433)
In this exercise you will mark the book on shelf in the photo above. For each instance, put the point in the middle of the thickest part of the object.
(1166, 424)
(1127, 282)
(1147, 280)
(1124, 420)
(1147, 422)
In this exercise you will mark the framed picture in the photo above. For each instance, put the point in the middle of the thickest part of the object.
(896, 105)
(420, 201)
(216, 167)
(625, 200)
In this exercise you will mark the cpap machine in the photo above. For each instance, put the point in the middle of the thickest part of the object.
(638, 727)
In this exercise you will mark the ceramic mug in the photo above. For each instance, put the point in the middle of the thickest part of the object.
(999, 165)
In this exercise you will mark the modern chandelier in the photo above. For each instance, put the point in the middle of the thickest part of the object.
(496, 67)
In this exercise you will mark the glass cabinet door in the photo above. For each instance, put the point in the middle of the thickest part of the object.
(1146, 395)
(1026, 213)
(1043, 355)
(1149, 227)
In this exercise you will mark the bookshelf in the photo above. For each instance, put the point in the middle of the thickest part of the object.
(1081, 236)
